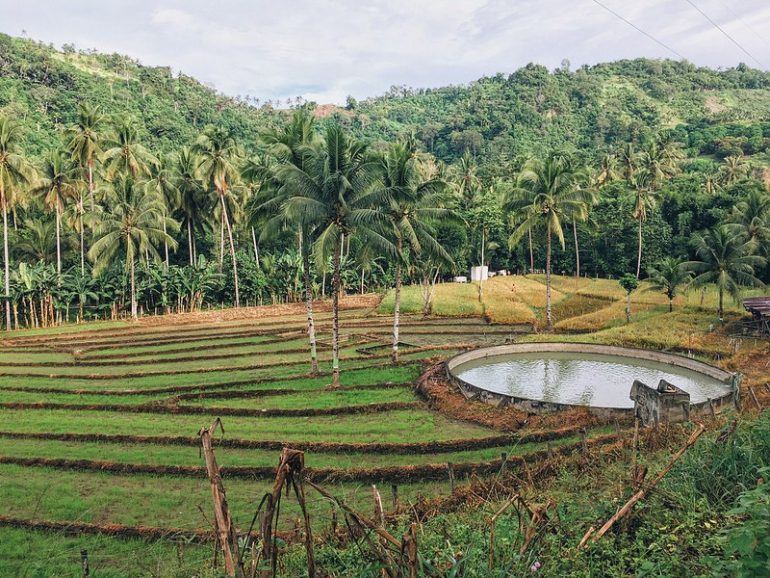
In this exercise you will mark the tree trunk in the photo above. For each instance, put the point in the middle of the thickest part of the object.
(336, 285)
(548, 318)
(397, 306)
(7, 266)
(309, 307)
(221, 240)
(256, 247)
(628, 308)
(165, 242)
(58, 239)
(670, 305)
(91, 182)
(531, 253)
(577, 249)
(190, 242)
(721, 305)
(82, 239)
(134, 314)
(232, 251)
(639, 256)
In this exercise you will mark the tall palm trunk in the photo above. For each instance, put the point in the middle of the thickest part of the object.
(548, 318)
(58, 239)
(190, 242)
(6, 264)
(577, 249)
(165, 242)
(309, 307)
(397, 303)
(639, 256)
(134, 314)
(82, 238)
(721, 304)
(232, 251)
(336, 285)
(91, 181)
(531, 253)
(221, 242)
(256, 247)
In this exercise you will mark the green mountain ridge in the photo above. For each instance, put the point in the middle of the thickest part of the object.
(500, 119)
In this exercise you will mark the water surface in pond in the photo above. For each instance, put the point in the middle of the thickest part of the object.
(581, 378)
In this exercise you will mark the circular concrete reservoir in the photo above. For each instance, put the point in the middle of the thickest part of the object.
(549, 376)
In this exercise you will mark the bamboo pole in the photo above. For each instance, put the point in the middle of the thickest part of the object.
(628, 506)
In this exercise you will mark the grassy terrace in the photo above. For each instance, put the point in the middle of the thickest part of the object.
(262, 364)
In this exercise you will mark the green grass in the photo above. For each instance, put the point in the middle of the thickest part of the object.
(451, 300)
(38, 554)
(365, 376)
(98, 497)
(390, 426)
(190, 456)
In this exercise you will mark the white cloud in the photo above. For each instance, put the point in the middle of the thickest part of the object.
(326, 49)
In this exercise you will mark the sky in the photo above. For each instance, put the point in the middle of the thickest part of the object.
(325, 50)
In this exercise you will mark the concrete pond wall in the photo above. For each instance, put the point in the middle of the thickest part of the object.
(731, 381)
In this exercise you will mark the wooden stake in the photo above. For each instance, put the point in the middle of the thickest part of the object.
(628, 506)
(586, 537)
(634, 450)
(228, 540)
(409, 550)
(503, 462)
(493, 526)
(288, 475)
(394, 492)
(84, 560)
(754, 397)
(451, 469)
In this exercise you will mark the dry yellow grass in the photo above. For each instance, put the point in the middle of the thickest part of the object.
(614, 312)
(506, 299)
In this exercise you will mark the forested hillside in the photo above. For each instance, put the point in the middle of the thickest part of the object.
(661, 154)
(42, 87)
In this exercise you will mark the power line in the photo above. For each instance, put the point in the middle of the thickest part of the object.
(722, 30)
(635, 27)
(745, 24)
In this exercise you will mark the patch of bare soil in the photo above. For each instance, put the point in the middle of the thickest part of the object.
(754, 364)
(713, 106)
(445, 398)
(368, 301)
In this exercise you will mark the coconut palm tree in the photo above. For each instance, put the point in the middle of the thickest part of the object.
(555, 197)
(629, 160)
(660, 160)
(336, 189)
(668, 276)
(193, 202)
(59, 184)
(582, 212)
(751, 217)
(15, 174)
(608, 169)
(85, 143)
(415, 199)
(162, 182)
(124, 153)
(219, 157)
(727, 260)
(645, 198)
(133, 226)
(289, 145)
(37, 241)
(733, 169)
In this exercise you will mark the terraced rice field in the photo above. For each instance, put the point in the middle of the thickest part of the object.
(98, 430)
